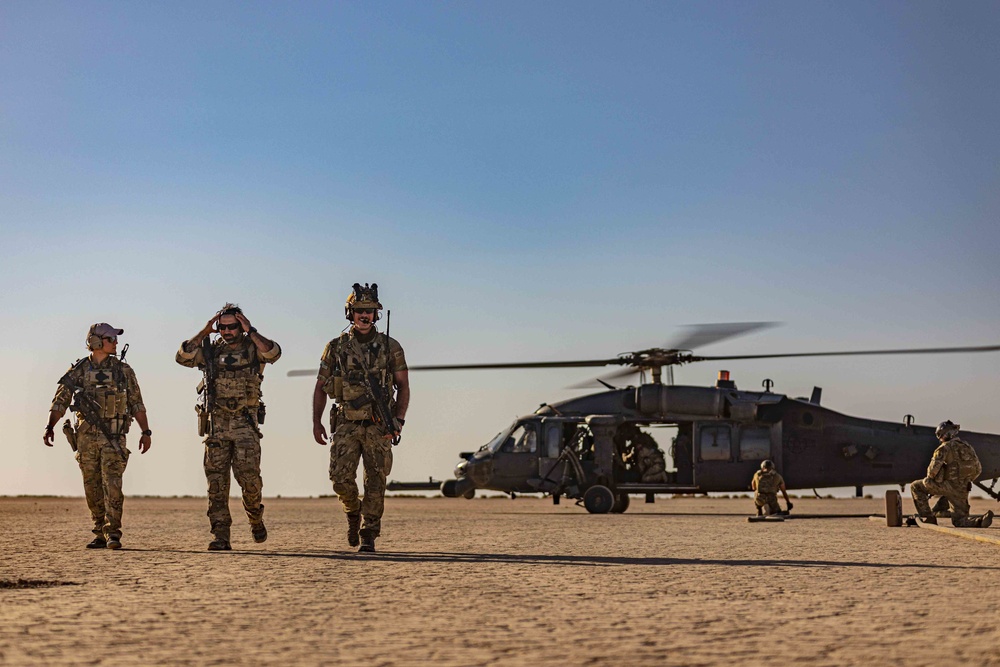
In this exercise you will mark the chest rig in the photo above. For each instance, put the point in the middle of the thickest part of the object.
(768, 482)
(105, 395)
(237, 377)
(348, 378)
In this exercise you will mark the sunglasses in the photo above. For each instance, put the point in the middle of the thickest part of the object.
(364, 311)
(113, 339)
(229, 327)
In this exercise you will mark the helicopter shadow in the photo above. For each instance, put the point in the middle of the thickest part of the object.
(571, 561)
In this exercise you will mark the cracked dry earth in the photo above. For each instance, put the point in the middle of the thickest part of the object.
(497, 582)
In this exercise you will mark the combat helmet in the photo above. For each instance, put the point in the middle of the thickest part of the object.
(946, 430)
(767, 465)
(362, 297)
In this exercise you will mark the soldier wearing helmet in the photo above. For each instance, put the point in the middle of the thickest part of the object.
(953, 468)
(105, 396)
(229, 415)
(766, 484)
(356, 432)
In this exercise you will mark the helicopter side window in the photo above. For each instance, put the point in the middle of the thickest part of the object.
(553, 439)
(524, 439)
(755, 443)
(716, 444)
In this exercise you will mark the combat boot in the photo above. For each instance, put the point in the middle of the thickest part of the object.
(259, 532)
(114, 542)
(929, 519)
(219, 544)
(353, 526)
(986, 520)
(367, 543)
(98, 543)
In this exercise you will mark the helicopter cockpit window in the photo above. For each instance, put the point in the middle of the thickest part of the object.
(716, 444)
(524, 439)
(755, 443)
(498, 440)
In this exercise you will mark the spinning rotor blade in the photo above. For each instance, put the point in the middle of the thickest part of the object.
(609, 378)
(586, 363)
(924, 350)
(700, 335)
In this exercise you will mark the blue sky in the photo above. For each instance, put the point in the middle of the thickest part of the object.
(525, 180)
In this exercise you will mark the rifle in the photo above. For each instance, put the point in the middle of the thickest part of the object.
(376, 395)
(85, 404)
(207, 387)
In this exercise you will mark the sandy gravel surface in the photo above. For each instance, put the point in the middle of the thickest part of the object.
(497, 582)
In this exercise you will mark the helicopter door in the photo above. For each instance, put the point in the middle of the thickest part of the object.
(714, 453)
(517, 459)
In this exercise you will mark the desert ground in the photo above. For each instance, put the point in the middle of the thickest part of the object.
(496, 581)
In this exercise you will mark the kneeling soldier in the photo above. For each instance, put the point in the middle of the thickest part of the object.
(106, 398)
(953, 468)
(766, 484)
(229, 413)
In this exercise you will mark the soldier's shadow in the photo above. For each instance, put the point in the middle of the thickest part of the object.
(557, 560)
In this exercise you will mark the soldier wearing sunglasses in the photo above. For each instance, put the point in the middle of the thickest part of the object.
(105, 397)
(230, 414)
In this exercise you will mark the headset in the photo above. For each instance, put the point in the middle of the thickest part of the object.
(94, 342)
(358, 294)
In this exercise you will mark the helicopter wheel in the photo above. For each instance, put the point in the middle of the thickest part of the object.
(893, 509)
(621, 503)
(598, 499)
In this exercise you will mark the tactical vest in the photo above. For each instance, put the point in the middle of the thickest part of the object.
(966, 466)
(237, 376)
(346, 384)
(108, 388)
(767, 482)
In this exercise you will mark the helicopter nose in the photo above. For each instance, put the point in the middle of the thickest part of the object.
(453, 488)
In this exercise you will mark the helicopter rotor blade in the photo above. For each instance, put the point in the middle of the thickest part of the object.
(608, 378)
(585, 363)
(700, 335)
(845, 353)
(310, 372)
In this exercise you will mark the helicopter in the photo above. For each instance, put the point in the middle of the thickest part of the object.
(598, 449)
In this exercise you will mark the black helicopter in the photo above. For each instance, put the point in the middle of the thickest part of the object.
(597, 448)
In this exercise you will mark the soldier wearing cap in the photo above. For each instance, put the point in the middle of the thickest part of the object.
(953, 467)
(105, 396)
(229, 415)
(356, 431)
(766, 484)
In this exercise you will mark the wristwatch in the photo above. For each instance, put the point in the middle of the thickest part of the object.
(148, 433)
(252, 331)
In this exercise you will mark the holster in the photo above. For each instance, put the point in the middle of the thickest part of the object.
(203, 419)
(70, 434)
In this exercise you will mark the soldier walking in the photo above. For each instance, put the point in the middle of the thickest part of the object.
(353, 366)
(766, 484)
(229, 414)
(104, 394)
(953, 468)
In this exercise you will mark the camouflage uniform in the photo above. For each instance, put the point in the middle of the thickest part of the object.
(767, 483)
(113, 386)
(652, 464)
(355, 433)
(232, 438)
(945, 478)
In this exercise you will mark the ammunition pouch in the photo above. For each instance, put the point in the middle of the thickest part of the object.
(334, 418)
(359, 402)
(261, 412)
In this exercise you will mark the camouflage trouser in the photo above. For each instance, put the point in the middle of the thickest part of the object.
(767, 500)
(352, 441)
(236, 447)
(957, 495)
(102, 469)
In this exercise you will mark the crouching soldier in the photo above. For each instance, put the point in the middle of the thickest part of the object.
(229, 414)
(766, 484)
(953, 468)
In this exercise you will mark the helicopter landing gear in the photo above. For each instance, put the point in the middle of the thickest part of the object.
(598, 499)
(621, 503)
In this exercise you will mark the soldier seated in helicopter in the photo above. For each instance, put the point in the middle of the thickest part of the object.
(640, 456)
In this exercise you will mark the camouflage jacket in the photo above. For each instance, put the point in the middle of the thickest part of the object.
(768, 481)
(239, 370)
(341, 368)
(112, 386)
(954, 461)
